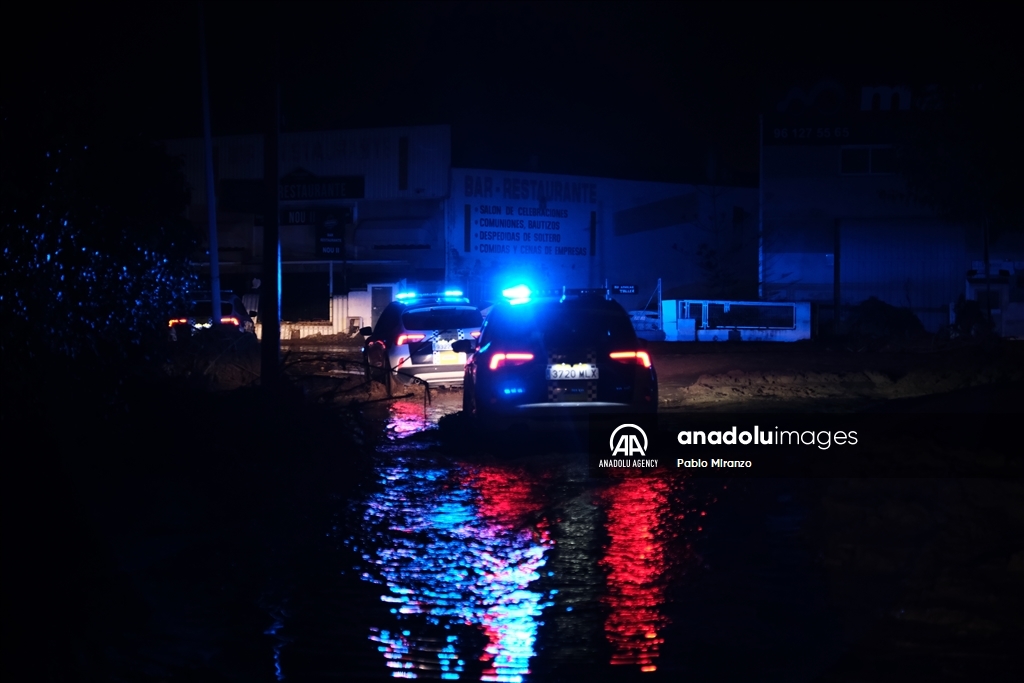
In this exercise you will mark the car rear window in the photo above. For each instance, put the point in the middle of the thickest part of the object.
(441, 319)
(204, 308)
(565, 323)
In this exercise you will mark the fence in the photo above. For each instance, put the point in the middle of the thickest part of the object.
(706, 320)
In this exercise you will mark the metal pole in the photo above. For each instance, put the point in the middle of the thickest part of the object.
(661, 313)
(270, 309)
(211, 198)
(988, 276)
(836, 280)
(760, 209)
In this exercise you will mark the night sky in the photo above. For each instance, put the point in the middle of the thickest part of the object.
(650, 91)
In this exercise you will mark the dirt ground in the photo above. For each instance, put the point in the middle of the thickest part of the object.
(815, 378)
(751, 377)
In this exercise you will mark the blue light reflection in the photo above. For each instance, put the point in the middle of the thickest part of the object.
(453, 549)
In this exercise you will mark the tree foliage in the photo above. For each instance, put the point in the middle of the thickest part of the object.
(95, 247)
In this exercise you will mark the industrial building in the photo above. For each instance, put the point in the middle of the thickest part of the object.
(364, 213)
(837, 226)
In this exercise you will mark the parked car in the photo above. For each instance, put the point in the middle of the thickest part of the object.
(199, 316)
(569, 355)
(412, 341)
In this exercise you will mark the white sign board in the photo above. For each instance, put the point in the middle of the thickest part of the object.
(506, 226)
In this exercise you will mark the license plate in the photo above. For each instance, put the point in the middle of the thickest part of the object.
(578, 371)
(450, 358)
(442, 345)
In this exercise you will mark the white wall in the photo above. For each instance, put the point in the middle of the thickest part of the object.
(359, 306)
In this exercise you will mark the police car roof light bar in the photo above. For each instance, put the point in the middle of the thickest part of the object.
(450, 296)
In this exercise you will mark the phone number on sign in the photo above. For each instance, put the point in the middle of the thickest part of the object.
(811, 133)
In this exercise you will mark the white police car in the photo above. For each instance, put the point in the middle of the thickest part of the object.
(564, 354)
(413, 339)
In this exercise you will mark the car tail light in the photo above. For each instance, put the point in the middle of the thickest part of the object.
(475, 335)
(500, 359)
(638, 357)
(406, 338)
(229, 321)
(177, 321)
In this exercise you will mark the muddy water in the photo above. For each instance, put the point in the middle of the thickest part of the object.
(477, 568)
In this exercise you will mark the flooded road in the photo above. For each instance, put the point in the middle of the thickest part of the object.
(484, 569)
(352, 539)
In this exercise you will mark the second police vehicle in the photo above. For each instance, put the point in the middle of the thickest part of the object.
(562, 354)
(414, 336)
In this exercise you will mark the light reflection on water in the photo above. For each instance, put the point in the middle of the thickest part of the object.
(407, 417)
(636, 560)
(452, 549)
(458, 547)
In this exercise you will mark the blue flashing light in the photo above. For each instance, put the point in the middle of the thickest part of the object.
(453, 292)
(520, 294)
(406, 295)
(511, 391)
(517, 292)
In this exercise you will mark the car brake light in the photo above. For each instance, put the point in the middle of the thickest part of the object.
(638, 357)
(232, 321)
(500, 359)
(406, 338)
(176, 321)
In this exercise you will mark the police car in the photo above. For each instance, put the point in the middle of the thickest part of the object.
(563, 354)
(413, 339)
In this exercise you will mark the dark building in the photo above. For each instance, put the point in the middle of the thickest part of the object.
(364, 213)
(837, 227)
(360, 211)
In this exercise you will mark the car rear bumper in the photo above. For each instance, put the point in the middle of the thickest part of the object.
(433, 375)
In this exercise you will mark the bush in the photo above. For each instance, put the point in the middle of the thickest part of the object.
(874, 319)
(94, 254)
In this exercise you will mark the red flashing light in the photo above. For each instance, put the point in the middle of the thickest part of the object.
(500, 359)
(638, 357)
(406, 338)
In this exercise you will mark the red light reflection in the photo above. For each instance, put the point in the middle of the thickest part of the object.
(636, 562)
(412, 416)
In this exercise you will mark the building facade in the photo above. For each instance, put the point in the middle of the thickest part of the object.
(552, 230)
(365, 212)
(836, 227)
